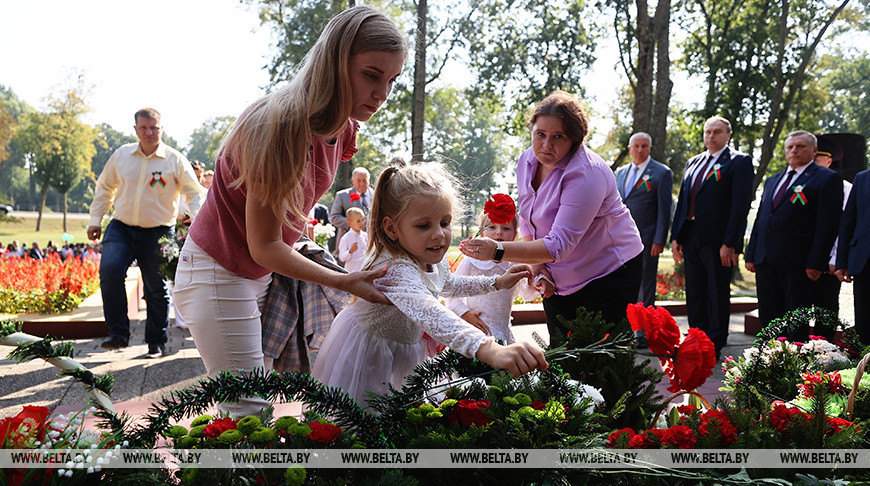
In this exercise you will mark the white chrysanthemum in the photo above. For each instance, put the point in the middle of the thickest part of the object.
(591, 392)
(324, 229)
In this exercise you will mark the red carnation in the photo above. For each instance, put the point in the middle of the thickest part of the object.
(354, 197)
(29, 423)
(219, 426)
(658, 326)
(693, 363)
(500, 209)
(323, 433)
(642, 441)
(470, 412)
(782, 417)
(538, 405)
(679, 436)
(686, 409)
(717, 419)
(620, 439)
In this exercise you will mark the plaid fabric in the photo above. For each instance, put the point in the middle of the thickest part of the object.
(293, 333)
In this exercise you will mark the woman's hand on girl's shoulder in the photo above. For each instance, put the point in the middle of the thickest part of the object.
(361, 284)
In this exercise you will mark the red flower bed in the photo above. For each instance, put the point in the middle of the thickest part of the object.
(47, 286)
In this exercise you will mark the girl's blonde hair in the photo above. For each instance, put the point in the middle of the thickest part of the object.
(397, 186)
(269, 143)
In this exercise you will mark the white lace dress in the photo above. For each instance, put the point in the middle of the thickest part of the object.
(370, 345)
(494, 308)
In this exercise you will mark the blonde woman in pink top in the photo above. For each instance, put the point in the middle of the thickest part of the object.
(276, 162)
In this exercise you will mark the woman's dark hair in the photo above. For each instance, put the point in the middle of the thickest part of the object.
(563, 105)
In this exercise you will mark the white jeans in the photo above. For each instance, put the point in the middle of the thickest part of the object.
(222, 310)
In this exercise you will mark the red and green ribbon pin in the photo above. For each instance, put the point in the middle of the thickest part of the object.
(798, 196)
(157, 177)
(644, 182)
(715, 172)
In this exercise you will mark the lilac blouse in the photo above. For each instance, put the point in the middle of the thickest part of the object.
(579, 215)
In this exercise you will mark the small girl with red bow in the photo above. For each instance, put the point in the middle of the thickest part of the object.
(491, 313)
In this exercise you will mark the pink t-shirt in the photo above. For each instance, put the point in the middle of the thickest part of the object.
(219, 228)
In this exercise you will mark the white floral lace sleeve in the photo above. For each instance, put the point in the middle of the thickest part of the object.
(406, 287)
(464, 285)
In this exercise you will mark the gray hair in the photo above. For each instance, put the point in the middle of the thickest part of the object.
(361, 170)
(640, 135)
(804, 133)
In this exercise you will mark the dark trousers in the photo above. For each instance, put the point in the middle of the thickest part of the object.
(708, 290)
(781, 289)
(121, 245)
(827, 297)
(609, 295)
(861, 290)
(648, 274)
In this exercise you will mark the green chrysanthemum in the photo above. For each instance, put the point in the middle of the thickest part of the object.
(295, 476)
(197, 431)
(523, 399)
(188, 442)
(176, 432)
(448, 403)
(233, 436)
(249, 424)
(284, 423)
(299, 430)
(201, 420)
(263, 435)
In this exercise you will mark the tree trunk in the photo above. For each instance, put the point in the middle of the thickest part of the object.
(64, 212)
(418, 122)
(643, 89)
(659, 123)
(42, 196)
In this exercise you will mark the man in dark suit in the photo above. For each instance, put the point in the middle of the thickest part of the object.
(358, 196)
(645, 186)
(853, 251)
(828, 286)
(708, 228)
(794, 231)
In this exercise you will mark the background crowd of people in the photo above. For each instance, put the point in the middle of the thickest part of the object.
(68, 250)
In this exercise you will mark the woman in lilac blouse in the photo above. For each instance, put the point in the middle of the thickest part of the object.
(577, 233)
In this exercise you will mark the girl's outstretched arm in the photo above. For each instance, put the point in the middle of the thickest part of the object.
(519, 358)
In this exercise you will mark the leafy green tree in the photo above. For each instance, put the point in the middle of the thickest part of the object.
(14, 170)
(521, 50)
(754, 55)
(847, 82)
(205, 140)
(60, 146)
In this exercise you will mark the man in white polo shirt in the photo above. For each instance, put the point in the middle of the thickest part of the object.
(143, 181)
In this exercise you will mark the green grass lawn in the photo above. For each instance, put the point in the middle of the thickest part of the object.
(23, 229)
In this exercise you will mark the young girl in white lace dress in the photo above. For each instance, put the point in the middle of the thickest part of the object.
(491, 312)
(410, 230)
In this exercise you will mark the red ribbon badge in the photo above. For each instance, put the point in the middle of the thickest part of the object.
(644, 182)
(798, 196)
(157, 177)
(715, 173)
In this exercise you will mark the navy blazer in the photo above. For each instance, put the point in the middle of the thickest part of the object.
(793, 233)
(722, 205)
(650, 205)
(853, 251)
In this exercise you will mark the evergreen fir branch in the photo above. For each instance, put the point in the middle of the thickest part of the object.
(8, 327)
(43, 349)
(90, 380)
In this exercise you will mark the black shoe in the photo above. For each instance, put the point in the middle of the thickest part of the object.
(156, 351)
(114, 342)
